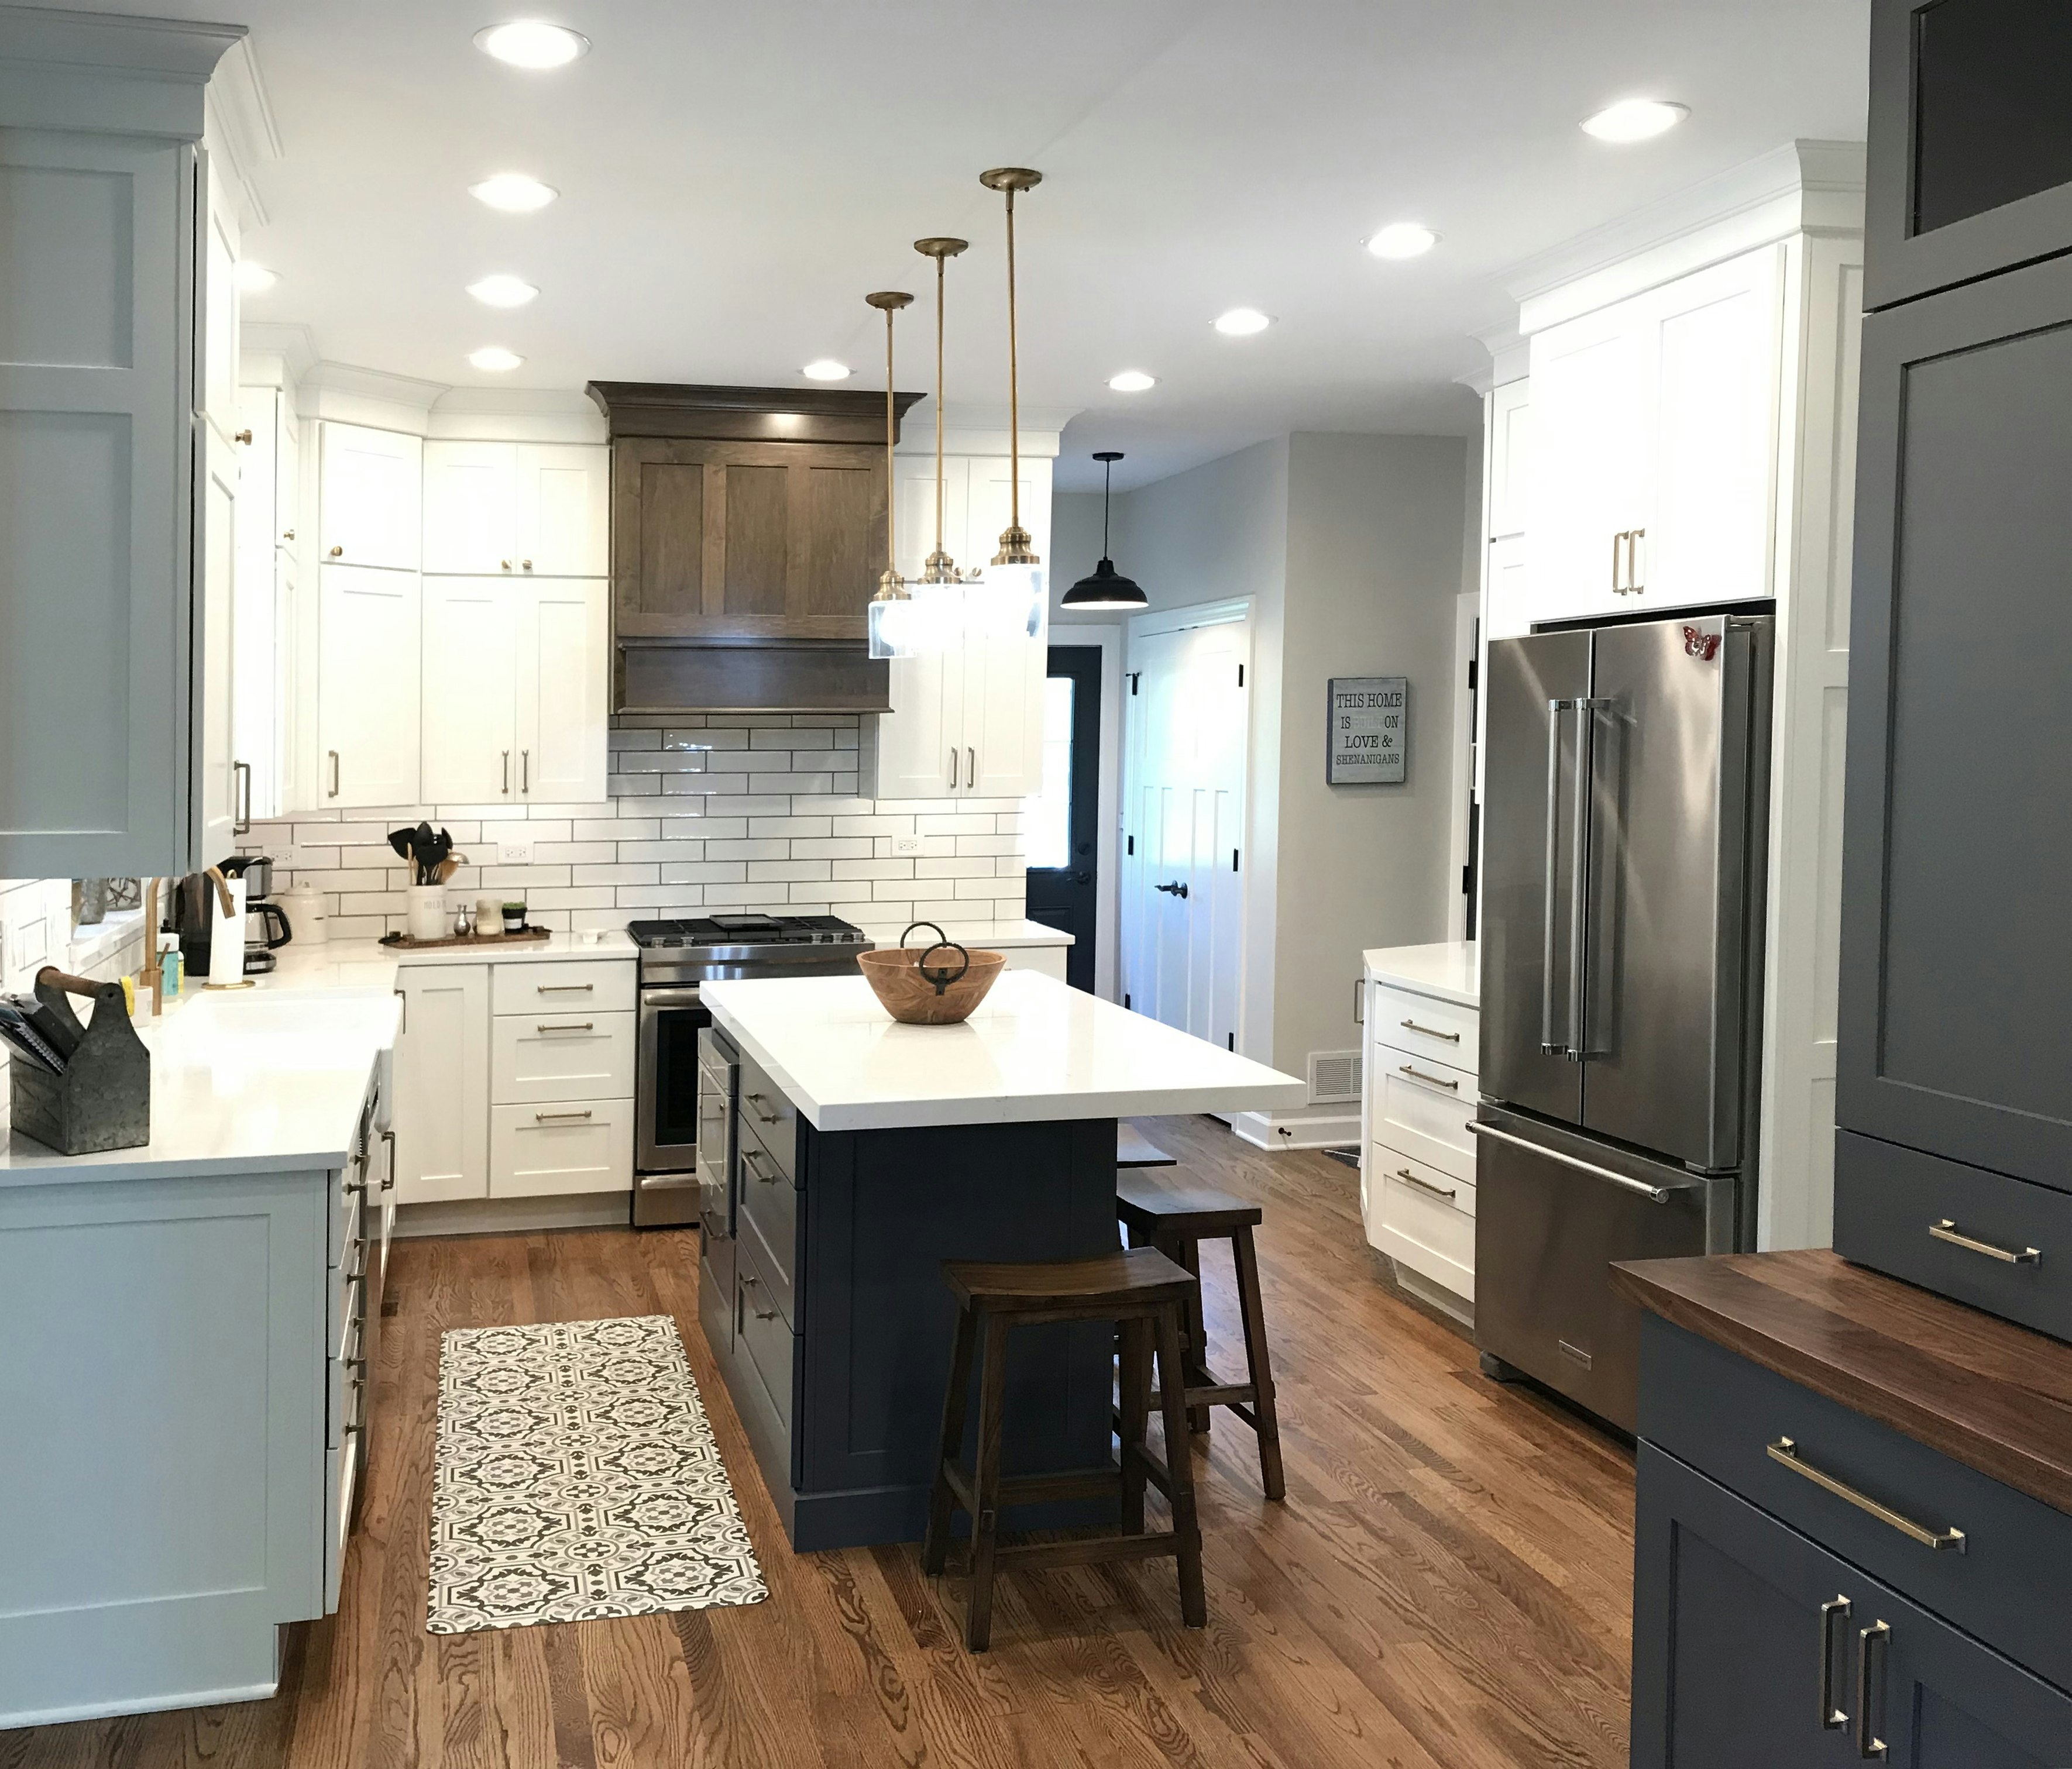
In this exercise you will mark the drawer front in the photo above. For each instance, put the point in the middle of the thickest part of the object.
(556, 987)
(556, 1055)
(769, 1213)
(759, 1325)
(546, 1150)
(348, 1201)
(1415, 1221)
(1420, 1026)
(1424, 1108)
(1720, 1414)
(772, 1117)
(1887, 1199)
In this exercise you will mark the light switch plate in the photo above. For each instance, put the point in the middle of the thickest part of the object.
(514, 853)
(906, 844)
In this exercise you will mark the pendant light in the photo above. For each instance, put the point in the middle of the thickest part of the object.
(890, 613)
(1015, 575)
(1107, 587)
(939, 567)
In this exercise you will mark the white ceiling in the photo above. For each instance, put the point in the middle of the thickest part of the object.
(735, 178)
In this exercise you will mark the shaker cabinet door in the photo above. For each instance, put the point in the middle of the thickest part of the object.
(563, 642)
(471, 507)
(563, 503)
(1955, 1015)
(471, 690)
(442, 1084)
(1591, 410)
(368, 666)
(370, 495)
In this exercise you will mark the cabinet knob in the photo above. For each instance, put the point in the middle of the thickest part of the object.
(506, 565)
(338, 553)
(242, 436)
(527, 564)
(287, 534)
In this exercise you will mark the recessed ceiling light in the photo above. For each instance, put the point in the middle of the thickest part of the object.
(531, 43)
(513, 192)
(495, 358)
(1242, 323)
(253, 279)
(826, 369)
(1634, 120)
(1402, 240)
(1132, 380)
(502, 291)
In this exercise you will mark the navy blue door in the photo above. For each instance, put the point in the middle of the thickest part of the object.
(1061, 828)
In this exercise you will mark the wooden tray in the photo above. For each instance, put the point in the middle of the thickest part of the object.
(530, 936)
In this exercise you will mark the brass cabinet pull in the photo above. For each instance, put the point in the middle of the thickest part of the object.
(505, 564)
(1617, 588)
(1832, 1719)
(1425, 1185)
(971, 769)
(571, 1025)
(1633, 586)
(526, 562)
(1947, 1231)
(525, 771)
(953, 767)
(1451, 1037)
(1429, 1080)
(1786, 1452)
(242, 436)
(757, 1099)
(1870, 1747)
(549, 1117)
(338, 553)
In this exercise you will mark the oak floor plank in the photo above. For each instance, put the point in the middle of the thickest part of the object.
(1447, 1585)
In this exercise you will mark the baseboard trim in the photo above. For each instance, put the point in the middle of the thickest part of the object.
(1265, 1130)
(155, 1704)
(514, 1216)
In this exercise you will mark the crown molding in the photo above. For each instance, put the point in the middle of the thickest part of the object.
(1803, 186)
(240, 130)
(517, 414)
(346, 394)
(171, 49)
(981, 429)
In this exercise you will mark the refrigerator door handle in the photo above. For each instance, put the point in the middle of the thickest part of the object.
(1580, 836)
(1658, 1193)
(1547, 1044)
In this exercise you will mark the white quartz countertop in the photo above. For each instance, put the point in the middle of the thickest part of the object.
(994, 936)
(1451, 969)
(1034, 1050)
(262, 1080)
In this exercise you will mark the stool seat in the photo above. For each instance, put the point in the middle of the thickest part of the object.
(1154, 1208)
(1126, 1280)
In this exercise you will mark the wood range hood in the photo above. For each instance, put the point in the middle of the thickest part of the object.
(747, 537)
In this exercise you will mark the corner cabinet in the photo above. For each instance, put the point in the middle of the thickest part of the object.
(114, 603)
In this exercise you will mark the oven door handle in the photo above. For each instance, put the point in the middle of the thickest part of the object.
(669, 995)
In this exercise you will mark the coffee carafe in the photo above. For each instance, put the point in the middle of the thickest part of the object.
(266, 925)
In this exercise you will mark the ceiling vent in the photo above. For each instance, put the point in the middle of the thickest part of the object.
(1334, 1077)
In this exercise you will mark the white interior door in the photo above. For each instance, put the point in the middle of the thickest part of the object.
(564, 637)
(471, 506)
(563, 510)
(470, 689)
(371, 495)
(367, 687)
(1183, 825)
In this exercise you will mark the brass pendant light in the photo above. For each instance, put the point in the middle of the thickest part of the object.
(891, 586)
(940, 568)
(1016, 548)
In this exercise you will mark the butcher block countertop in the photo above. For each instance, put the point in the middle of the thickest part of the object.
(1980, 1389)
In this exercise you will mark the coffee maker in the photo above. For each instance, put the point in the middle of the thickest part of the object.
(194, 918)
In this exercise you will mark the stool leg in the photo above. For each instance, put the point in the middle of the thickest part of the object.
(1194, 1354)
(935, 1546)
(985, 1483)
(1259, 1366)
(1135, 1383)
(1186, 1527)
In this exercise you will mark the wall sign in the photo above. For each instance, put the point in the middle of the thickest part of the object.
(1369, 730)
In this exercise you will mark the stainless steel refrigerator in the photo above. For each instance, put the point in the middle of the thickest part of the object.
(1624, 825)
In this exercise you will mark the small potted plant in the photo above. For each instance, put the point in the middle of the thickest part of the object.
(514, 917)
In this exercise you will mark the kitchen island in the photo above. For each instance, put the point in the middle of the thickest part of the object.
(854, 1155)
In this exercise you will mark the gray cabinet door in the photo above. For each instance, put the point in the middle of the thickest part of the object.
(1753, 1644)
(1956, 966)
(1970, 142)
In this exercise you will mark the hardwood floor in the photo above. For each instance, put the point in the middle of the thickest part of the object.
(1447, 1586)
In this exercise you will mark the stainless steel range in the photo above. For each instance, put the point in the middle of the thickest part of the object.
(673, 1090)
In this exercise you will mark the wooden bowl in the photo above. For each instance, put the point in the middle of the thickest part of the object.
(910, 998)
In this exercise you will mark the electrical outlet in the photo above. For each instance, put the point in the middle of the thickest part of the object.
(906, 844)
(514, 853)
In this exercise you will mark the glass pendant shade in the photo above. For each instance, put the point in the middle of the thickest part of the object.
(1104, 587)
(1010, 601)
(929, 618)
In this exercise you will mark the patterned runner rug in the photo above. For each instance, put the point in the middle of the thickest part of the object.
(577, 1478)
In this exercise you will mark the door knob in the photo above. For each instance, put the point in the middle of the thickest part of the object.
(1179, 890)
(1088, 878)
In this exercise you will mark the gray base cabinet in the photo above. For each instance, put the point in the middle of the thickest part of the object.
(1777, 1623)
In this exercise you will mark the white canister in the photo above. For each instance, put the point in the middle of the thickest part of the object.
(425, 909)
(307, 920)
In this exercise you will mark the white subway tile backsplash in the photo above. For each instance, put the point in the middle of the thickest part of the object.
(707, 811)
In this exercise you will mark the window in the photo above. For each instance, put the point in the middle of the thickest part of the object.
(1046, 815)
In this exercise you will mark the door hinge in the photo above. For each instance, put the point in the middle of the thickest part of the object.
(1233, 859)
(1230, 1041)
(1133, 844)
(1133, 675)
(1472, 663)
(1125, 998)
(1240, 675)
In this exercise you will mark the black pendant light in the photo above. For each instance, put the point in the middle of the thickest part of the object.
(1107, 588)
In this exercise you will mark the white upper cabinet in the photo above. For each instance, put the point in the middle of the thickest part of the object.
(525, 508)
(916, 751)
(368, 703)
(1655, 432)
(1003, 714)
(471, 690)
(218, 785)
(264, 595)
(564, 668)
(370, 494)
(989, 504)
(914, 511)
(1510, 459)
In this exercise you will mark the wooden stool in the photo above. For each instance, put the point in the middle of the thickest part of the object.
(1175, 1219)
(1144, 1292)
